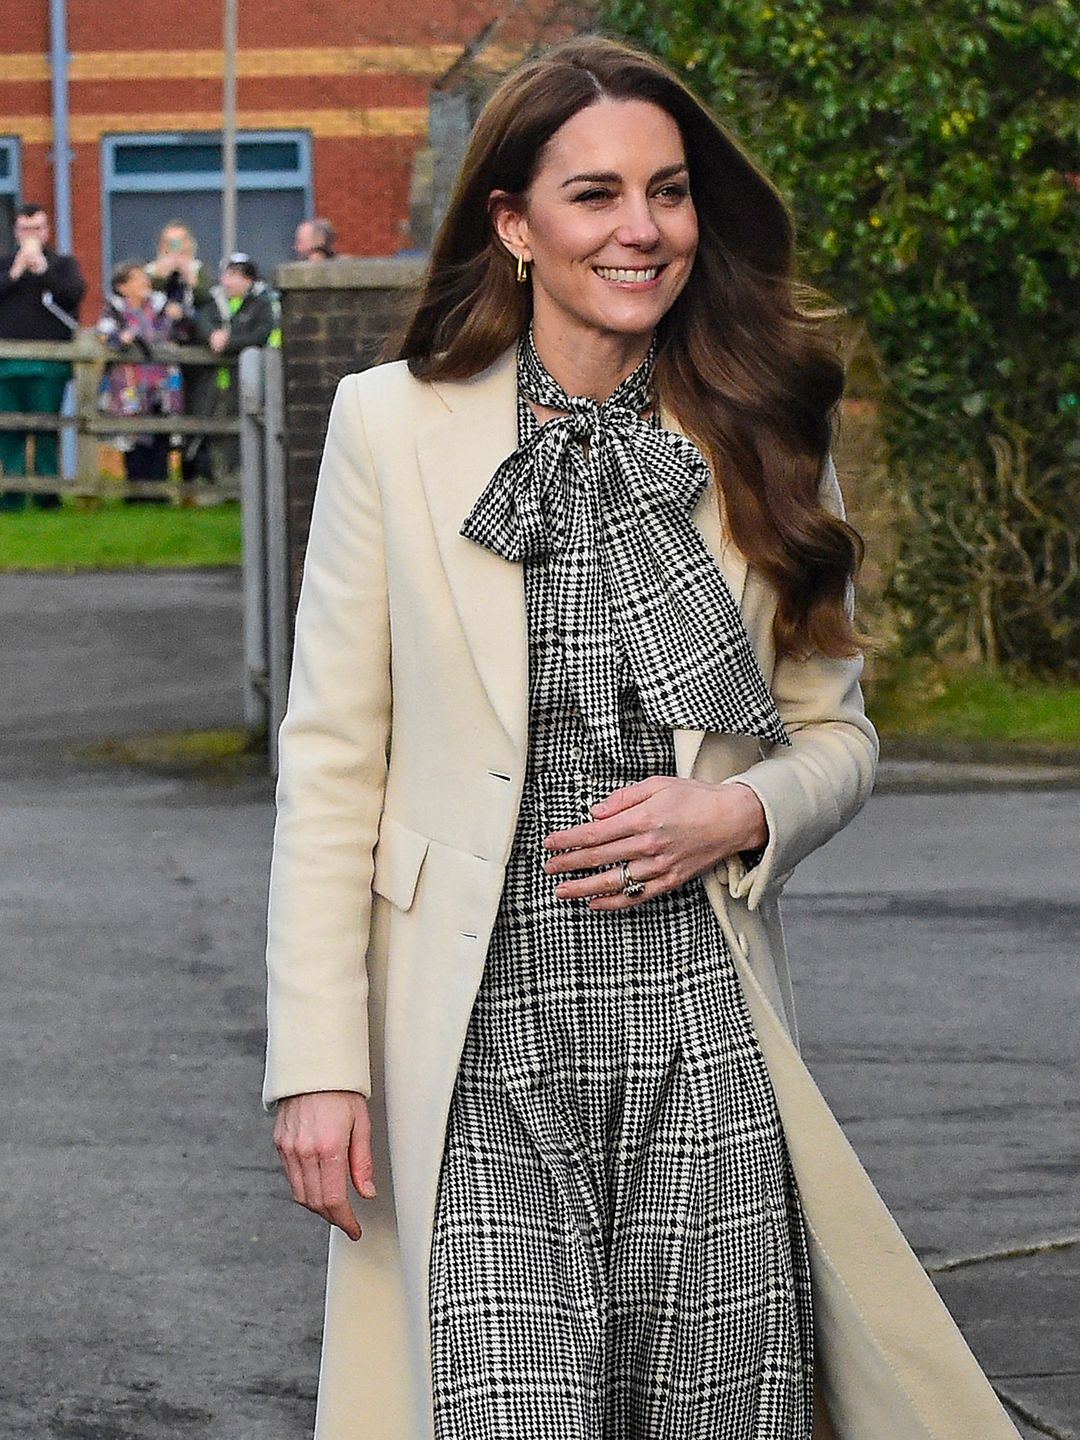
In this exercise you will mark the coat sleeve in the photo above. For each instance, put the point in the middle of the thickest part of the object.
(251, 325)
(332, 776)
(65, 279)
(206, 319)
(814, 787)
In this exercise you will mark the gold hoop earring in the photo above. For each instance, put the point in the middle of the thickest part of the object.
(522, 270)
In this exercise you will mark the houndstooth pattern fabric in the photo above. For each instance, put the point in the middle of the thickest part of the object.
(608, 495)
(618, 1249)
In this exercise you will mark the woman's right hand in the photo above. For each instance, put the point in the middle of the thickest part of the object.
(324, 1139)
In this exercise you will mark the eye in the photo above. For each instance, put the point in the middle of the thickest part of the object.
(596, 195)
(675, 190)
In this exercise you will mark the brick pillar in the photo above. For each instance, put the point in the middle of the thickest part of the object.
(335, 318)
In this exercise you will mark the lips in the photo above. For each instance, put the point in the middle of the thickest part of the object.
(626, 276)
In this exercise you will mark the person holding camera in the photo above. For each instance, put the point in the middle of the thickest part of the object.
(40, 294)
(186, 283)
(179, 274)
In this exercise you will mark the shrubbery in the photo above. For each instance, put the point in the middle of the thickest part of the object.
(928, 152)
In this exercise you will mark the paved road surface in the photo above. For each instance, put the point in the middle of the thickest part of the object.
(98, 656)
(158, 1283)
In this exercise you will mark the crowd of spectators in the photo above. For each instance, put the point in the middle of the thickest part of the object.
(175, 298)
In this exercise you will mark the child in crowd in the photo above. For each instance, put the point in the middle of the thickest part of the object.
(135, 320)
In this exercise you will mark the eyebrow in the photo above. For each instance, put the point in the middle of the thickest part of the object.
(611, 177)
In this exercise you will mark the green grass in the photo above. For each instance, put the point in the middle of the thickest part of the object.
(920, 701)
(120, 537)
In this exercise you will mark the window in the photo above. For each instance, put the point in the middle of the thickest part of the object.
(148, 180)
(9, 187)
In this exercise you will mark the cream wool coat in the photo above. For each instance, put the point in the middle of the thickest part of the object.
(402, 762)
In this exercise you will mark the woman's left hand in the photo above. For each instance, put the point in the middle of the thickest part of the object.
(665, 829)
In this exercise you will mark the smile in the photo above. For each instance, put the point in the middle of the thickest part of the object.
(628, 277)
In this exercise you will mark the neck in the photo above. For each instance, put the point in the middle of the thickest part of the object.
(588, 363)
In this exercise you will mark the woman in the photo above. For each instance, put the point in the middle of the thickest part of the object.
(185, 282)
(565, 713)
(136, 319)
(178, 273)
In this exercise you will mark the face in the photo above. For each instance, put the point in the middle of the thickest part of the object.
(136, 289)
(234, 282)
(609, 225)
(305, 240)
(176, 242)
(32, 227)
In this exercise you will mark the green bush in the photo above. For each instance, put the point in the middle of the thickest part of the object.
(928, 152)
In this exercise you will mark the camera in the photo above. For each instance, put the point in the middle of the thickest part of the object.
(176, 288)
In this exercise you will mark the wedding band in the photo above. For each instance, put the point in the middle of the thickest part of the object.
(630, 886)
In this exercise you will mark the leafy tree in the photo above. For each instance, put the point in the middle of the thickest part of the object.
(930, 154)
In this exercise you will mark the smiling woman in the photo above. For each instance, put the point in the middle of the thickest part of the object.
(739, 365)
(573, 694)
(612, 243)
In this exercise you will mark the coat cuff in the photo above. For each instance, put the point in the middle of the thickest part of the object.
(750, 871)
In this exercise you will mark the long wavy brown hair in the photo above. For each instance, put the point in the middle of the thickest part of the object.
(744, 368)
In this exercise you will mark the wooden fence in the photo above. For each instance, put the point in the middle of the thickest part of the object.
(88, 356)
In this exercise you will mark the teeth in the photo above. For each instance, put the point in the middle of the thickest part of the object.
(606, 273)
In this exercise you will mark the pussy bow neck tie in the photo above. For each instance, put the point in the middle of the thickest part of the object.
(607, 496)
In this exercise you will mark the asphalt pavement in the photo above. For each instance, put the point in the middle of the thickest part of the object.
(159, 1283)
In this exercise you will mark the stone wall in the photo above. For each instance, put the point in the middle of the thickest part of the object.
(335, 318)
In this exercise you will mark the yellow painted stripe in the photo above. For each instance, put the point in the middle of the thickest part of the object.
(323, 124)
(30, 129)
(426, 61)
(24, 67)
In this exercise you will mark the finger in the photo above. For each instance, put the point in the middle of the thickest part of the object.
(605, 883)
(293, 1175)
(311, 1182)
(626, 797)
(608, 881)
(592, 832)
(361, 1165)
(658, 883)
(335, 1196)
(326, 1194)
(630, 847)
(628, 902)
(283, 1143)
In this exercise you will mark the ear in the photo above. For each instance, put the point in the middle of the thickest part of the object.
(510, 222)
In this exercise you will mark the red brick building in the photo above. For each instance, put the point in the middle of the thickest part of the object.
(333, 102)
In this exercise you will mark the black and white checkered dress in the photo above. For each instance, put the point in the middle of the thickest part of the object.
(618, 1248)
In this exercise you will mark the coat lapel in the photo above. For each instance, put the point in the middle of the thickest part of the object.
(458, 455)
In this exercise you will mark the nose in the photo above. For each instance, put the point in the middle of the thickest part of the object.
(637, 227)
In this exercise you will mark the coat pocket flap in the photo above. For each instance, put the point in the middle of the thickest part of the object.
(399, 857)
